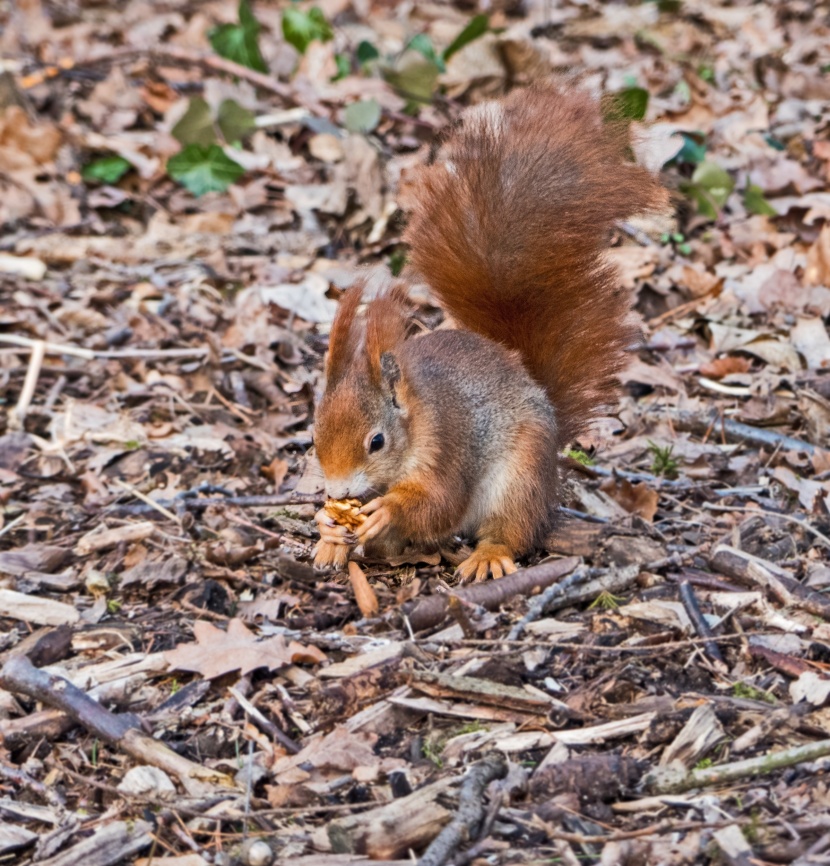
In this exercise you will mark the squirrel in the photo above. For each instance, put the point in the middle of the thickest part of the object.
(460, 431)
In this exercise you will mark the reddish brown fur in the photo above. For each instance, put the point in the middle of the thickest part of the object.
(512, 244)
(386, 321)
(344, 337)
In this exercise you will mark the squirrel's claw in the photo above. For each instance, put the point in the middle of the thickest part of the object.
(487, 559)
(328, 555)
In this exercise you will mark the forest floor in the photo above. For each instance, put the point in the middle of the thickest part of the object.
(185, 189)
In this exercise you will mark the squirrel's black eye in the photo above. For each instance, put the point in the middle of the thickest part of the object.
(377, 443)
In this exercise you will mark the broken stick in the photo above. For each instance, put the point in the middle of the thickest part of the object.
(120, 730)
(464, 826)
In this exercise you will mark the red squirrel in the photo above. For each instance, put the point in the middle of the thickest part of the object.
(461, 431)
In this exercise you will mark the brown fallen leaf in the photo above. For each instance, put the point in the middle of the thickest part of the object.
(217, 652)
(635, 498)
(721, 367)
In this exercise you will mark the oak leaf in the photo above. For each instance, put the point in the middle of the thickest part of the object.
(218, 652)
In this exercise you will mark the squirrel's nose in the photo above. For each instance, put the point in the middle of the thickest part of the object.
(337, 490)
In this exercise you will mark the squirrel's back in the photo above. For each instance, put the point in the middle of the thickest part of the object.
(509, 227)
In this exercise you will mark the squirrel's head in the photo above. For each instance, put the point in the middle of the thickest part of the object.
(361, 431)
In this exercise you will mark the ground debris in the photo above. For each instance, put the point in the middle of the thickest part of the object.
(177, 682)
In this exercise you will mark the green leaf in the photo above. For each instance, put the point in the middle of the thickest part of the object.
(414, 76)
(693, 150)
(246, 18)
(344, 66)
(423, 45)
(362, 116)
(107, 169)
(300, 28)
(709, 187)
(204, 169)
(196, 124)
(475, 28)
(240, 42)
(366, 53)
(234, 121)
(629, 104)
(755, 202)
(716, 180)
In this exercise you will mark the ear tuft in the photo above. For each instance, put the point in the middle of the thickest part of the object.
(386, 326)
(344, 336)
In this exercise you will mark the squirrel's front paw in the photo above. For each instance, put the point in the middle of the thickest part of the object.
(335, 542)
(487, 559)
(328, 555)
(378, 521)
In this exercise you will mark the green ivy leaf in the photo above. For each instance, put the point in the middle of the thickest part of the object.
(755, 202)
(240, 42)
(300, 28)
(362, 116)
(202, 169)
(196, 124)
(476, 27)
(366, 53)
(106, 169)
(234, 121)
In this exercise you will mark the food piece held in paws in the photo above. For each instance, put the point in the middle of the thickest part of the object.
(345, 512)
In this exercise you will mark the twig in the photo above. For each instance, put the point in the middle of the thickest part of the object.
(652, 830)
(539, 604)
(187, 504)
(12, 524)
(470, 814)
(269, 727)
(122, 731)
(237, 70)
(687, 596)
(147, 501)
(657, 481)
(426, 612)
(582, 515)
(18, 414)
(106, 354)
(735, 431)
(790, 518)
(591, 582)
(667, 781)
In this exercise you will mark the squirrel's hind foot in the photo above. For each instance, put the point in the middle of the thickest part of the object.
(487, 558)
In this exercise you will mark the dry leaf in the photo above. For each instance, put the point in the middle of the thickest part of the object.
(218, 652)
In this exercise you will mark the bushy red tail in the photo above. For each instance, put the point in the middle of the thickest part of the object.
(509, 228)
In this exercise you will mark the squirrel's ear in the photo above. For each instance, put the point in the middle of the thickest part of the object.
(386, 323)
(344, 336)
